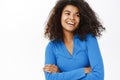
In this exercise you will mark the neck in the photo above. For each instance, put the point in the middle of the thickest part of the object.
(68, 37)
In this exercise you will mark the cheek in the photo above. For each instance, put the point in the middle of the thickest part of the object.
(78, 21)
(63, 18)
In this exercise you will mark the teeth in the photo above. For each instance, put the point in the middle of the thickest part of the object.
(70, 23)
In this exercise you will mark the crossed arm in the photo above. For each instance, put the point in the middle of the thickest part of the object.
(94, 72)
(53, 69)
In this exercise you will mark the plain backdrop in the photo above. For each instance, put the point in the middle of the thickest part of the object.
(22, 43)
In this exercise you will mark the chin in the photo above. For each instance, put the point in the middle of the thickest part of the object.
(71, 30)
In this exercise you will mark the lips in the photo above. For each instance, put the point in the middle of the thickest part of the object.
(70, 23)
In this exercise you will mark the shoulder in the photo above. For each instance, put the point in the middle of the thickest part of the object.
(91, 40)
(53, 43)
(90, 37)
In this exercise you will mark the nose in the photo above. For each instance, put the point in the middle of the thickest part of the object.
(71, 16)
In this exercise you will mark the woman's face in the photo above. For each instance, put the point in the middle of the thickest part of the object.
(70, 18)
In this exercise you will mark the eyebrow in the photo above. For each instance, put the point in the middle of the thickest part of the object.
(70, 11)
(67, 11)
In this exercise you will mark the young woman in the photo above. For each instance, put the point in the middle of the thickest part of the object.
(73, 52)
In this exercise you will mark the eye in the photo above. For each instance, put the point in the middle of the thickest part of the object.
(78, 15)
(67, 13)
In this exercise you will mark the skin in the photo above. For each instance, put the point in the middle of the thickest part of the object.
(70, 20)
(51, 68)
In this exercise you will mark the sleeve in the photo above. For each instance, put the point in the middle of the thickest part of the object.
(51, 59)
(95, 59)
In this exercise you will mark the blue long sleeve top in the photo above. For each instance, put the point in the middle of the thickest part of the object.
(86, 53)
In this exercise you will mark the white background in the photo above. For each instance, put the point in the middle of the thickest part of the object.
(22, 42)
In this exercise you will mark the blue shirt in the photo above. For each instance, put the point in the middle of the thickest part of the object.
(86, 53)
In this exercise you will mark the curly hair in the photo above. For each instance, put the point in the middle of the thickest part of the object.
(89, 23)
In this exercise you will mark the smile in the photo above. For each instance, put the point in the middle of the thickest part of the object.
(71, 23)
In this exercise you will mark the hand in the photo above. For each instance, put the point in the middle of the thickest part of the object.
(51, 68)
(87, 70)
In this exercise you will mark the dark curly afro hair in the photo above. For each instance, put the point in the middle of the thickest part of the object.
(89, 23)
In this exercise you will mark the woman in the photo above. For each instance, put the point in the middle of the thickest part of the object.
(73, 52)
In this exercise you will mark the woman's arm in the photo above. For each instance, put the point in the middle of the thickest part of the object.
(70, 75)
(95, 59)
(54, 69)
(51, 59)
(51, 68)
(96, 72)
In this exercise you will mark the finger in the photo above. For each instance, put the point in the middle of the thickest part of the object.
(47, 70)
(50, 71)
(51, 68)
(49, 65)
